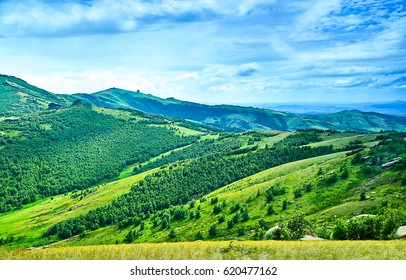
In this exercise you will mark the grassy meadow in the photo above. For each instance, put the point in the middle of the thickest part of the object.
(222, 250)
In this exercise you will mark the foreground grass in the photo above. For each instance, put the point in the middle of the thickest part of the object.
(223, 250)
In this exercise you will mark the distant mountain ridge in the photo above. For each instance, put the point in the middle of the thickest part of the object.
(395, 108)
(238, 118)
(17, 98)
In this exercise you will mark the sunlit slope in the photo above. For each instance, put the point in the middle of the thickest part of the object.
(31, 222)
(325, 193)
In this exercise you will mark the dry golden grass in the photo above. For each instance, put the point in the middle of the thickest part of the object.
(224, 250)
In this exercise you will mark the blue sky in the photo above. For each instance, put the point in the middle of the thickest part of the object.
(211, 51)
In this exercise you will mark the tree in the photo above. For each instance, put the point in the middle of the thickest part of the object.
(199, 236)
(362, 196)
(297, 192)
(172, 234)
(269, 196)
(221, 219)
(284, 205)
(297, 225)
(270, 210)
(213, 230)
(262, 224)
(217, 208)
(245, 215)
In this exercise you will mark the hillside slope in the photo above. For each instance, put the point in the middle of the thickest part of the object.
(56, 151)
(324, 188)
(17, 97)
(358, 121)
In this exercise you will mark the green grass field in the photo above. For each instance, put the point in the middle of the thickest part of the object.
(224, 250)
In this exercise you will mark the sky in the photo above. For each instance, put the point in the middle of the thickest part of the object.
(211, 51)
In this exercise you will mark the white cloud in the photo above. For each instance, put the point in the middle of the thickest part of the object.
(248, 69)
(189, 75)
(43, 18)
(206, 49)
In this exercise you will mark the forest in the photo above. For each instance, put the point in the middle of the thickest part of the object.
(58, 151)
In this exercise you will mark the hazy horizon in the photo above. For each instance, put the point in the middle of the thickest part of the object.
(206, 51)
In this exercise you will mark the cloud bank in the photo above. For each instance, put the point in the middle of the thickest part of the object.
(211, 51)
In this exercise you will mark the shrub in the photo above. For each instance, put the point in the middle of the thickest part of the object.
(297, 225)
(214, 200)
(323, 232)
(236, 218)
(344, 174)
(333, 178)
(382, 226)
(221, 219)
(294, 229)
(356, 159)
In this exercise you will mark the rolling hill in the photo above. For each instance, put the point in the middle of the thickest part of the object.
(229, 118)
(82, 175)
(18, 98)
(237, 118)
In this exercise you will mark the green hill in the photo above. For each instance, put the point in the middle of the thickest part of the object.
(325, 188)
(237, 118)
(220, 187)
(358, 121)
(56, 151)
(230, 118)
(17, 97)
